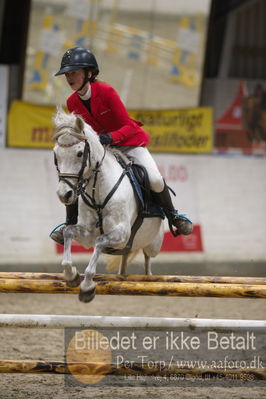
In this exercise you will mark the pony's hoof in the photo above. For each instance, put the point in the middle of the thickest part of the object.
(74, 283)
(87, 296)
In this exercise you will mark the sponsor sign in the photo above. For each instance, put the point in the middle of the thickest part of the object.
(182, 131)
(176, 131)
(30, 125)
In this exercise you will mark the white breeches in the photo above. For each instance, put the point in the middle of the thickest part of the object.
(142, 156)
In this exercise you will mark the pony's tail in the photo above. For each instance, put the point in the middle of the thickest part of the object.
(112, 262)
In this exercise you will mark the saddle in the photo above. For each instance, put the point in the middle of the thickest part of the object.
(139, 180)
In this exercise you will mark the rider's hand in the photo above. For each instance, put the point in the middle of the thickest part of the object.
(105, 138)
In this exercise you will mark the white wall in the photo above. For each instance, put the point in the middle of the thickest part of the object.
(230, 194)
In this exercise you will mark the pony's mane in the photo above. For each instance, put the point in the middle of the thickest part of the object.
(60, 132)
(116, 151)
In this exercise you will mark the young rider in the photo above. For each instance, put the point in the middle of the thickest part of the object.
(101, 107)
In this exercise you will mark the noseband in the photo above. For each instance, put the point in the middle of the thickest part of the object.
(79, 176)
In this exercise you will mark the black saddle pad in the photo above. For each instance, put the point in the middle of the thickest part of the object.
(149, 207)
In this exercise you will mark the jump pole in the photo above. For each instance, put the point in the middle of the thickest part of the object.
(67, 321)
(136, 369)
(137, 288)
(137, 277)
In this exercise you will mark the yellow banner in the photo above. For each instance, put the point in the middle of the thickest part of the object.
(185, 130)
(30, 125)
(181, 131)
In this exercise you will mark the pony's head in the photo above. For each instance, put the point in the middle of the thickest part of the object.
(75, 150)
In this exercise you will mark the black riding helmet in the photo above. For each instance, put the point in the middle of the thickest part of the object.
(79, 58)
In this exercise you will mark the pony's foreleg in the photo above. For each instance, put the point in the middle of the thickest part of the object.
(88, 286)
(112, 239)
(71, 275)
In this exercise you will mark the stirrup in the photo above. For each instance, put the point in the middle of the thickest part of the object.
(179, 215)
(57, 227)
(57, 235)
(175, 217)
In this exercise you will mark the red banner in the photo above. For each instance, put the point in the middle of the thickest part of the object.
(242, 127)
(191, 243)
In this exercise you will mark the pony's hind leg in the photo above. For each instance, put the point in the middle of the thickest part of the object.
(151, 250)
(71, 275)
(126, 260)
(147, 264)
(123, 264)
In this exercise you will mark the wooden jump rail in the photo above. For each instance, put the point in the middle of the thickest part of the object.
(136, 277)
(135, 369)
(220, 290)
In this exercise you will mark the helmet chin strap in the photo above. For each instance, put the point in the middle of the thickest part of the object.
(85, 81)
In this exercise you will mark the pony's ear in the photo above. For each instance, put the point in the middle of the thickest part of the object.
(79, 124)
(58, 118)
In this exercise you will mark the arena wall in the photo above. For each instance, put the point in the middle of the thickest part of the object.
(229, 192)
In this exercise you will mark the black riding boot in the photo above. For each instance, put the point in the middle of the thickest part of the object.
(72, 213)
(182, 224)
(71, 218)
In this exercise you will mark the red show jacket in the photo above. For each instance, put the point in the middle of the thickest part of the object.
(109, 115)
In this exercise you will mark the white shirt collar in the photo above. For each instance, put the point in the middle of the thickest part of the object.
(87, 95)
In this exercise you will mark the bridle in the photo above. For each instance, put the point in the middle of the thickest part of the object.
(79, 176)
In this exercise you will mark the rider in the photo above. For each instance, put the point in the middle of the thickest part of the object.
(101, 107)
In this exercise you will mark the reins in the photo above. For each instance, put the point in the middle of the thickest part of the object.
(91, 202)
